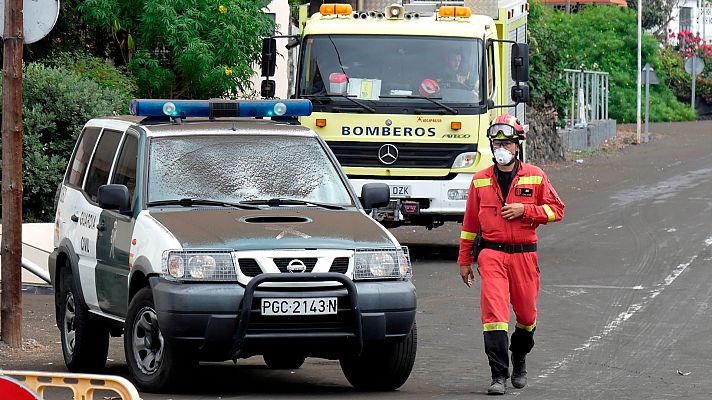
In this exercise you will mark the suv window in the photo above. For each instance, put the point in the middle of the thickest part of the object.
(125, 171)
(238, 168)
(82, 154)
(98, 173)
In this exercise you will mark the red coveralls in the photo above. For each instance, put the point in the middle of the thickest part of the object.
(507, 276)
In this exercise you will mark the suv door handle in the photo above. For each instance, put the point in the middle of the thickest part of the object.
(101, 226)
(74, 218)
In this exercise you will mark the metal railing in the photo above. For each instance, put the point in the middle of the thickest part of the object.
(589, 97)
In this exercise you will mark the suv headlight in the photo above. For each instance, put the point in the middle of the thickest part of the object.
(199, 266)
(464, 160)
(382, 264)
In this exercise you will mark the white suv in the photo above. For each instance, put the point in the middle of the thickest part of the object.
(199, 235)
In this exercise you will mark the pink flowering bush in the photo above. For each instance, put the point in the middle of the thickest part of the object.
(685, 45)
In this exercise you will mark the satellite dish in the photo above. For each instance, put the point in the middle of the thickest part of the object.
(40, 17)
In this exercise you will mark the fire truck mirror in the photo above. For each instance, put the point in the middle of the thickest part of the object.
(520, 94)
(267, 89)
(520, 62)
(269, 56)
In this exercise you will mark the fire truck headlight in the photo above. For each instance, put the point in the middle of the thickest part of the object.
(457, 194)
(465, 160)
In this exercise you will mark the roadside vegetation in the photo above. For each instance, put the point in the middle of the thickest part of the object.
(603, 38)
(102, 53)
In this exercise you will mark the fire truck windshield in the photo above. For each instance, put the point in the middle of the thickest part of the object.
(379, 70)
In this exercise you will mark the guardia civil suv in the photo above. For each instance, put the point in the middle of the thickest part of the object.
(200, 234)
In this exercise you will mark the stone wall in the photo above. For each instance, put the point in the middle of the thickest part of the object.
(543, 143)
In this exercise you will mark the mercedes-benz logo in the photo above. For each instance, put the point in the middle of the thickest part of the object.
(388, 154)
(296, 266)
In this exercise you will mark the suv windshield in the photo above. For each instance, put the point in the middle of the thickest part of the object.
(235, 168)
(391, 69)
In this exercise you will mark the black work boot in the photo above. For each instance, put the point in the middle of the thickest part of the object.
(519, 371)
(498, 385)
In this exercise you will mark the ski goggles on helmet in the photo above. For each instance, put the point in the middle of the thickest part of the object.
(502, 131)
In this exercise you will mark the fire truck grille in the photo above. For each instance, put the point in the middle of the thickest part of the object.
(410, 155)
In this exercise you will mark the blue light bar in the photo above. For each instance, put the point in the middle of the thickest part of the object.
(220, 108)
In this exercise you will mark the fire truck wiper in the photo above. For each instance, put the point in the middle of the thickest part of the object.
(345, 96)
(433, 100)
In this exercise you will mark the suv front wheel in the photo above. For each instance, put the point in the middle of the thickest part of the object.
(154, 363)
(85, 342)
(383, 367)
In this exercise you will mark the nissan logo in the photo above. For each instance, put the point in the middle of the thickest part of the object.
(296, 266)
(388, 154)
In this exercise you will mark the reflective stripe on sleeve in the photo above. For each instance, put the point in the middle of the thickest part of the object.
(478, 183)
(495, 326)
(530, 180)
(467, 235)
(527, 328)
(549, 213)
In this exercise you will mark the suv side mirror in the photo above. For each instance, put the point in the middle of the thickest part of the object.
(520, 62)
(269, 56)
(374, 195)
(114, 197)
(520, 94)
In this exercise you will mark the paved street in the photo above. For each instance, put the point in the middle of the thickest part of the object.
(624, 310)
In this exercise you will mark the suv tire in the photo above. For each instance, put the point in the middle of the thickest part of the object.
(382, 367)
(283, 361)
(85, 341)
(154, 364)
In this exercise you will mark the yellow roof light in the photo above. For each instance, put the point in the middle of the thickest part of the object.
(335, 9)
(463, 12)
(455, 12)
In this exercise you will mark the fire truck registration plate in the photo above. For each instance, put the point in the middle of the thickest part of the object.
(401, 190)
(305, 306)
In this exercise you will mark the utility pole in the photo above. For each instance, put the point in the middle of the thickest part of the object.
(640, 65)
(11, 258)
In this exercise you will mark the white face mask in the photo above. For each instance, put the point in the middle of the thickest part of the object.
(503, 156)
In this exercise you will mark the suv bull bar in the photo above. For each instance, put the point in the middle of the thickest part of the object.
(348, 284)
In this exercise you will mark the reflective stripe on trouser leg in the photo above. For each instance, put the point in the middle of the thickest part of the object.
(496, 349)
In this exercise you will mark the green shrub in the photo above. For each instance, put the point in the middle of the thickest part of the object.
(547, 62)
(604, 38)
(98, 70)
(57, 102)
(184, 48)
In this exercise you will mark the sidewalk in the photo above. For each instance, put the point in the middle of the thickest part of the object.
(37, 244)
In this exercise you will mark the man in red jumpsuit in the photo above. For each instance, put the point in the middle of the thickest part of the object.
(505, 205)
